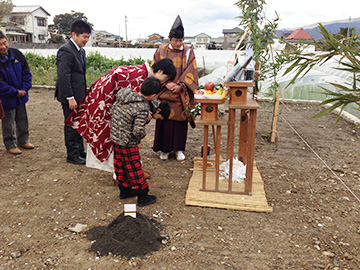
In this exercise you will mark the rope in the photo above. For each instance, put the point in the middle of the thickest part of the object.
(316, 154)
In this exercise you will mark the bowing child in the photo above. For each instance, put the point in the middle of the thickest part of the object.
(129, 115)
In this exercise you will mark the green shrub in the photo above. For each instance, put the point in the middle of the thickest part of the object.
(44, 69)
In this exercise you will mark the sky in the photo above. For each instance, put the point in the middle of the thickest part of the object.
(145, 17)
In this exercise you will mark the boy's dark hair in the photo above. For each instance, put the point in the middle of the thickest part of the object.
(167, 66)
(150, 86)
(165, 109)
(2, 35)
(80, 27)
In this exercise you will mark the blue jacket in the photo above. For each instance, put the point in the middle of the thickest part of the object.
(15, 75)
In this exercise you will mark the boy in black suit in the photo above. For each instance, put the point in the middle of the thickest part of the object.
(71, 85)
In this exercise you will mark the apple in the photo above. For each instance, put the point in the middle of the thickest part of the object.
(199, 92)
(209, 86)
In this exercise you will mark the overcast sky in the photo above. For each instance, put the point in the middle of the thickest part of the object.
(145, 17)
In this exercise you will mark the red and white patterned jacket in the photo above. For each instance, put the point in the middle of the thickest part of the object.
(92, 119)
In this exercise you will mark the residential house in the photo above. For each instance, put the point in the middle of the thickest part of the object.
(216, 43)
(202, 41)
(188, 40)
(231, 38)
(299, 34)
(156, 38)
(27, 24)
(105, 39)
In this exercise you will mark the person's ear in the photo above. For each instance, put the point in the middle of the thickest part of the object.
(160, 72)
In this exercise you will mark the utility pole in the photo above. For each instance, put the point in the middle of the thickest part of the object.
(119, 37)
(348, 31)
(126, 31)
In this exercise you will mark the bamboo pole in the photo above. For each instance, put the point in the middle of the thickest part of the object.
(275, 117)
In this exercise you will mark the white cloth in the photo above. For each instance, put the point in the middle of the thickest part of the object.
(238, 172)
(93, 162)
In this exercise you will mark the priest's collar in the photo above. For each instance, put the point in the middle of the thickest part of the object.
(181, 48)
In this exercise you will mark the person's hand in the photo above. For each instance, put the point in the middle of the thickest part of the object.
(157, 115)
(150, 116)
(170, 85)
(176, 89)
(72, 104)
(21, 93)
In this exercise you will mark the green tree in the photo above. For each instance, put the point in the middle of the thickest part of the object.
(345, 30)
(5, 8)
(211, 46)
(262, 31)
(62, 22)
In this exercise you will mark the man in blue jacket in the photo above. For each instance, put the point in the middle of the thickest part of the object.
(15, 82)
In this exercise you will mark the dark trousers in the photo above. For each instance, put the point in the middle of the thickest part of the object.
(73, 140)
(18, 117)
(170, 135)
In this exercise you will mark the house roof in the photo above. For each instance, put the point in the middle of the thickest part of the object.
(299, 34)
(102, 32)
(15, 34)
(28, 9)
(202, 35)
(156, 34)
(232, 31)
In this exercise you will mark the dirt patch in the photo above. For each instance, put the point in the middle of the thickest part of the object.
(315, 223)
(126, 236)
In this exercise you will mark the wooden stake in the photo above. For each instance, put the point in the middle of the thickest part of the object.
(275, 117)
(256, 77)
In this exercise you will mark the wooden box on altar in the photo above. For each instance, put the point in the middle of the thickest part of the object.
(209, 108)
(237, 91)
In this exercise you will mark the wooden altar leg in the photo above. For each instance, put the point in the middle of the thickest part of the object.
(214, 136)
(217, 156)
(243, 137)
(205, 153)
(250, 156)
(231, 145)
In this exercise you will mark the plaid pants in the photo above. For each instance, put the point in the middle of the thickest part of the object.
(127, 167)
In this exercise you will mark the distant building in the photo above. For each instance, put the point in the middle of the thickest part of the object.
(297, 35)
(201, 41)
(105, 39)
(27, 24)
(285, 34)
(231, 37)
(216, 43)
(156, 38)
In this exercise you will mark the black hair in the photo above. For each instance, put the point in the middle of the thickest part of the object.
(2, 35)
(150, 86)
(80, 27)
(165, 109)
(167, 66)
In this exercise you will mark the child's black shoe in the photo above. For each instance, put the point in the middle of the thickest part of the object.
(126, 192)
(144, 198)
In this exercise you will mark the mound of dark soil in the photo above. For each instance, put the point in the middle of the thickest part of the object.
(126, 236)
